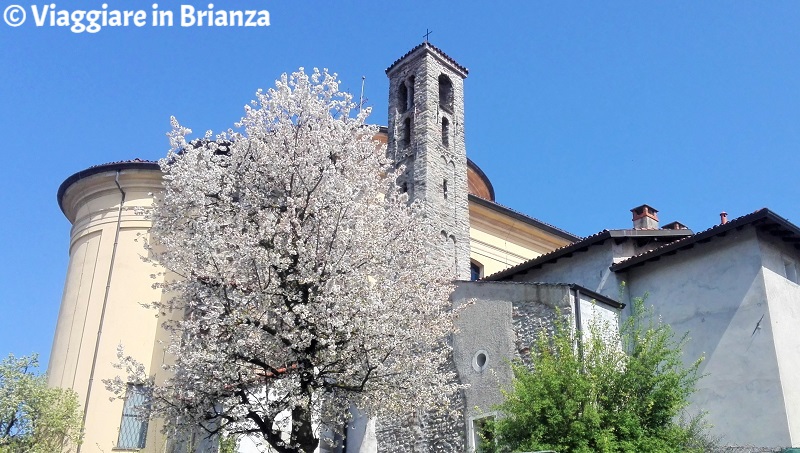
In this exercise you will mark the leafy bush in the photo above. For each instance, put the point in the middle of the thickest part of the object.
(605, 390)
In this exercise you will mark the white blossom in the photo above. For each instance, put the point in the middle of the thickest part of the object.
(301, 268)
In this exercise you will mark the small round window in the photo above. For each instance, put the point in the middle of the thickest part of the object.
(480, 360)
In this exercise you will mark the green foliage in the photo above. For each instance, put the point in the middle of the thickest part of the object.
(228, 444)
(605, 391)
(33, 417)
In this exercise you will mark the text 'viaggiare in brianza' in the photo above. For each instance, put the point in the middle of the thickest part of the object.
(94, 20)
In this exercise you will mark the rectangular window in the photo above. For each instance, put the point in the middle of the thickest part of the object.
(133, 428)
(480, 433)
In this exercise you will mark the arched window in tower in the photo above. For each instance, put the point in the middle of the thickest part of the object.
(445, 93)
(445, 132)
(444, 189)
(410, 98)
(406, 133)
(402, 98)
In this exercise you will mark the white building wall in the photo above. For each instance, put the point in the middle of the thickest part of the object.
(716, 293)
(783, 295)
(589, 269)
(598, 317)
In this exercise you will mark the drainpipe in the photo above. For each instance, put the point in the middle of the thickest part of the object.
(578, 329)
(105, 300)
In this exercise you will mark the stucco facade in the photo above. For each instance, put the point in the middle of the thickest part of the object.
(107, 281)
(740, 312)
(501, 238)
(733, 289)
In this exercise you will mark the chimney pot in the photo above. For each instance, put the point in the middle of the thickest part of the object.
(723, 218)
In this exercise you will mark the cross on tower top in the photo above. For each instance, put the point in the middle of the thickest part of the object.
(427, 34)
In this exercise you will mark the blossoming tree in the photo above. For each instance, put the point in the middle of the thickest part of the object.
(303, 276)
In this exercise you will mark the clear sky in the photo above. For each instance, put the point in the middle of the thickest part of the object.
(577, 111)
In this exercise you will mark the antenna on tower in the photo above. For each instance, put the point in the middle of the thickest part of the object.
(361, 100)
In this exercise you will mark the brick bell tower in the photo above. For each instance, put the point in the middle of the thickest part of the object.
(426, 134)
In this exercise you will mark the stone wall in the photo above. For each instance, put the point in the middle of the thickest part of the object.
(497, 322)
(426, 431)
(436, 167)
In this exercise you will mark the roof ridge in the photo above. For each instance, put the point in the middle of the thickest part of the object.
(427, 44)
(587, 242)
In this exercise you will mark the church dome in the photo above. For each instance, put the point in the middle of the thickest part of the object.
(478, 183)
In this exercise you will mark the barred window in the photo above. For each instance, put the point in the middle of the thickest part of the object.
(133, 427)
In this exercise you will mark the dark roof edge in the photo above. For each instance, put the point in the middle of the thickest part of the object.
(483, 176)
(597, 296)
(524, 218)
(586, 242)
(554, 255)
(716, 230)
(594, 295)
(113, 166)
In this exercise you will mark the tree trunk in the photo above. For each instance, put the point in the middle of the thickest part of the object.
(302, 431)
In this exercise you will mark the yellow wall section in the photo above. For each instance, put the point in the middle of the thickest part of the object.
(92, 205)
(74, 306)
(499, 241)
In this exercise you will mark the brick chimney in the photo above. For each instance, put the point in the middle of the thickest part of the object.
(723, 218)
(645, 218)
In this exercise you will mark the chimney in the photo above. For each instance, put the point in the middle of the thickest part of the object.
(675, 226)
(645, 218)
(723, 218)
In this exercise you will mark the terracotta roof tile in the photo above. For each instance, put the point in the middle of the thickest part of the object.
(585, 243)
(129, 161)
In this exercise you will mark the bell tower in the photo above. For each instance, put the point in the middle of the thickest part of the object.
(426, 135)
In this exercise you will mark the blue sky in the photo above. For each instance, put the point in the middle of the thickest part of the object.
(577, 111)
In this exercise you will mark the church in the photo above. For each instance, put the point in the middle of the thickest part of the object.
(733, 287)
